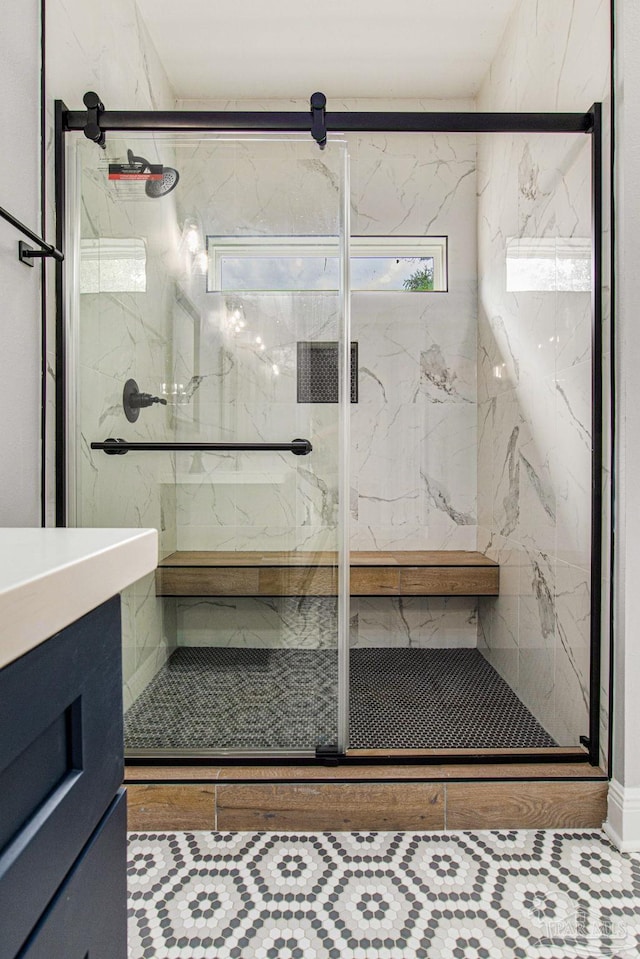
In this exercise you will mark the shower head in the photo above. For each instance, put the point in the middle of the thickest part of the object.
(155, 188)
(169, 181)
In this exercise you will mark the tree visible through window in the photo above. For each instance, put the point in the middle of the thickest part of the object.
(423, 278)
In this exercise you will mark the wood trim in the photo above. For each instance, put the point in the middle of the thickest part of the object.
(379, 773)
(412, 573)
(375, 581)
(297, 581)
(344, 806)
(453, 581)
(172, 581)
(363, 558)
(526, 805)
(372, 805)
(163, 807)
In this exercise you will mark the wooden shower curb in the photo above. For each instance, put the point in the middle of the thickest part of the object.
(403, 797)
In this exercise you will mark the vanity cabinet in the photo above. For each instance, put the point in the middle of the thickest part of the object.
(62, 811)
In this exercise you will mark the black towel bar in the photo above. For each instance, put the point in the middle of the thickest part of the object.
(118, 447)
(25, 253)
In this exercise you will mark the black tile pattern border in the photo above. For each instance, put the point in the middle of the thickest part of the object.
(483, 895)
(317, 371)
(219, 697)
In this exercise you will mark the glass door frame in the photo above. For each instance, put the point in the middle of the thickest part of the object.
(96, 123)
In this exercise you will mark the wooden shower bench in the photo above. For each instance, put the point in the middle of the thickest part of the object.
(380, 573)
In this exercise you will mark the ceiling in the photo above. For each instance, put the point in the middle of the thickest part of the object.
(264, 49)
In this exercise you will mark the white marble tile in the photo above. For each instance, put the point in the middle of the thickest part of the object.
(273, 623)
(537, 636)
(420, 622)
(449, 462)
(572, 654)
(205, 503)
(316, 538)
(485, 465)
(534, 354)
(540, 63)
(571, 464)
(573, 329)
(498, 617)
(236, 537)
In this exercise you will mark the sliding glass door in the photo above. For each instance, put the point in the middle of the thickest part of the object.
(209, 347)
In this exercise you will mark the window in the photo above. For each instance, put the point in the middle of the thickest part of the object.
(112, 265)
(272, 264)
(548, 263)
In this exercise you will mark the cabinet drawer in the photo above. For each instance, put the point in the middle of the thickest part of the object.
(88, 917)
(60, 762)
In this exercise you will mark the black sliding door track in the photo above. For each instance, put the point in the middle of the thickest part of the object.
(344, 122)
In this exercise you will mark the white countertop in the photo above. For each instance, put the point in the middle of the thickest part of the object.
(51, 577)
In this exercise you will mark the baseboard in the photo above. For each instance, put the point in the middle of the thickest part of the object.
(623, 817)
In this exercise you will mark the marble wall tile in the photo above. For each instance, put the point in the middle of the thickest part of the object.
(280, 622)
(573, 329)
(572, 653)
(413, 480)
(236, 537)
(449, 463)
(571, 464)
(120, 336)
(416, 621)
(537, 638)
(206, 502)
(404, 536)
(149, 636)
(308, 538)
(311, 622)
(485, 470)
(499, 616)
(534, 363)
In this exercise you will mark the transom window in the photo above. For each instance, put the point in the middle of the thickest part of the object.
(243, 264)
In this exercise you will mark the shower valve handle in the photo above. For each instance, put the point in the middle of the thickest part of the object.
(133, 400)
(146, 399)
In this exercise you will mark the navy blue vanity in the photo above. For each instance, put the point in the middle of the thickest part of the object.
(62, 808)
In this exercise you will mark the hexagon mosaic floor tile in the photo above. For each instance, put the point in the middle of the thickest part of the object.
(485, 895)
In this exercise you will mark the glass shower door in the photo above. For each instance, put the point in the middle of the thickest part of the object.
(210, 339)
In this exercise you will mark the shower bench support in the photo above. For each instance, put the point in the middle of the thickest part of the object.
(380, 573)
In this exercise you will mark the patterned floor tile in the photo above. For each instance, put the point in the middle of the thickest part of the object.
(214, 698)
(485, 895)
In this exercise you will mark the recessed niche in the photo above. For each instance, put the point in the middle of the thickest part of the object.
(318, 372)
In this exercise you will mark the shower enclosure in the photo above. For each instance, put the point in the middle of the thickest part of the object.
(358, 392)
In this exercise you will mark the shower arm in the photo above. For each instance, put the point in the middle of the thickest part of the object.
(118, 447)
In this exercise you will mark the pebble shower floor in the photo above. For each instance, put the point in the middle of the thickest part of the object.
(482, 895)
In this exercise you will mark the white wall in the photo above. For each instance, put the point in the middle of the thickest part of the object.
(624, 797)
(20, 393)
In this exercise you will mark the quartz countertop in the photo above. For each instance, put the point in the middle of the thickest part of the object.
(51, 577)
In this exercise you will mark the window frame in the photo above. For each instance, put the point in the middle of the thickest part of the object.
(436, 247)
